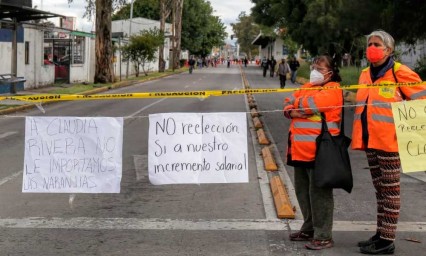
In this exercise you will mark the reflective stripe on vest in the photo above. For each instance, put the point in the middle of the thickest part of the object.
(381, 104)
(418, 95)
(291, 99)
(312, 105)
(357, 116)
(382, 118)
(300, 107)
(305, 138)
(311, 125)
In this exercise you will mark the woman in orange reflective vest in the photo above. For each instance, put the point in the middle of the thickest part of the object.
(374, 132)
(304, 108)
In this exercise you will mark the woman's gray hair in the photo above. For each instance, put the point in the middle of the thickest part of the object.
(385, 37)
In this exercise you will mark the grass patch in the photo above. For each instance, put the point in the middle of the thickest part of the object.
(74, 89)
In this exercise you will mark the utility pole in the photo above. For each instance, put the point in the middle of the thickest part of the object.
(130, 33)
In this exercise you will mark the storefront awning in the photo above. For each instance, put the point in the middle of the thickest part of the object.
(23, 13)
(262, 40)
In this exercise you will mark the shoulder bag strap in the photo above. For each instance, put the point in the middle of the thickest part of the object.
(324, 126)
(396, 81)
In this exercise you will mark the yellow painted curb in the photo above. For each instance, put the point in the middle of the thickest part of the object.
(263, 140)
(282, 202)
(257, 123)
(268, 160)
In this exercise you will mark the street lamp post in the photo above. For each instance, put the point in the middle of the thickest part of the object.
(130, 33)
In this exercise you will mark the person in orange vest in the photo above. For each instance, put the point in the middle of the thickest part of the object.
(374, 132)
(304, 108)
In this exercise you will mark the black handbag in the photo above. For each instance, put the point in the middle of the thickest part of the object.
(332, 163)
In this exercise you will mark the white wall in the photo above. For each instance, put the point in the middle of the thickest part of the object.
(410, 55)
(6, 58)
(85, 72)
(138, 25)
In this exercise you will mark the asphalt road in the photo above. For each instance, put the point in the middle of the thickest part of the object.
(207, 219)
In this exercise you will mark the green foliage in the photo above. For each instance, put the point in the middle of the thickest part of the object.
(335, 26)
(142, 48)
(246, 31)
(201, 30)
(149, 9)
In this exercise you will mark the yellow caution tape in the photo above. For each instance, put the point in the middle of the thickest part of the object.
(189, 94)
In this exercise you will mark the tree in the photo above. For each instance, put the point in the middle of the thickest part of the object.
(177, 31)
(142, 48)
(336, 25)
(201, 30)
(246, 31)
(165, 11)
(149, 9)
(103, 44)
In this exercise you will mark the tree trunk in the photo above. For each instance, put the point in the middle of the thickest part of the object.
(104, 54)
(164, 13)
(178, 32)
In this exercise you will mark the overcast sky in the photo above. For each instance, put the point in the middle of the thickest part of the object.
(227, 10)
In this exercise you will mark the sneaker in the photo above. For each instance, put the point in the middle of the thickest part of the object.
(374, 249)
(319, 244)
(302, 236)
(368, 242)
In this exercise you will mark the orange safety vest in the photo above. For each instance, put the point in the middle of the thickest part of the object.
(380, 123)
(304, 131)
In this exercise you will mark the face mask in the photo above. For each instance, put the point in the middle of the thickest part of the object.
(316, 77)
(375, 54)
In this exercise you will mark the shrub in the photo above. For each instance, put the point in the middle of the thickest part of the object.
(420, 67)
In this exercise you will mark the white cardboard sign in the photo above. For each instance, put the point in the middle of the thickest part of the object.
(194, 148)
(73, 155)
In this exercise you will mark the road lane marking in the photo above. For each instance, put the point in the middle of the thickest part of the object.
(146, 107)
(7, 134)
(11, 177)
(196, 225)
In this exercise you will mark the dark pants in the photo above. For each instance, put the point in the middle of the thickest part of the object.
(282, 81)
(315, 203)
(271, 71)
(264, 71)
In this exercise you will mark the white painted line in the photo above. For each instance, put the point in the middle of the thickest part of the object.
(146, 107)
(198, 225)
(11, 177)
(7, 134)
(265, 190)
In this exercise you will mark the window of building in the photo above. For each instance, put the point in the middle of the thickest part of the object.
(78, 50)
(27, 52)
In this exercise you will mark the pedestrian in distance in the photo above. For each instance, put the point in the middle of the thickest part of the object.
(264, 64)
(229, 62)
(303, 107)
(294, 65)
(374, 132)
(282, 71)
(272, 65)
(191, 64)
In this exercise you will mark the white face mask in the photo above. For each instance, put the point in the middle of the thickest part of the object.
(316, 77)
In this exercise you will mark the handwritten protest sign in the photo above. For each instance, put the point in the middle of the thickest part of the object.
(187, 148)
(73, 154)
(410, 125)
